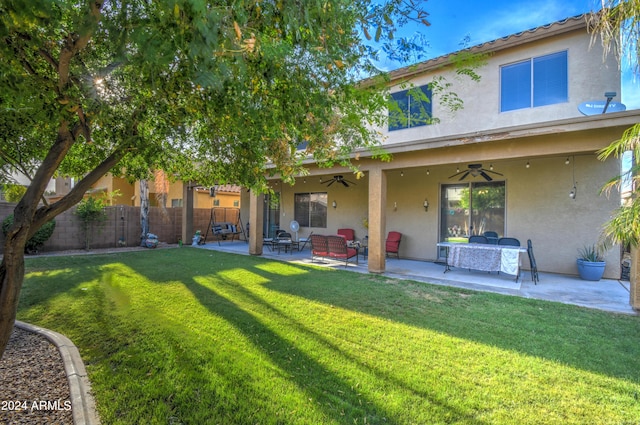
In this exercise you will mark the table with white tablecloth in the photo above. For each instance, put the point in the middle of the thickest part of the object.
(483, 257)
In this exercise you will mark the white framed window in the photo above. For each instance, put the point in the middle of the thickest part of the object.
(534, 82)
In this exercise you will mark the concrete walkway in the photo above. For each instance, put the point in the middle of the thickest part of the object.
(607, 294)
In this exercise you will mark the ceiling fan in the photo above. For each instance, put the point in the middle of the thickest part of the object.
(475, 170)
(340, 179)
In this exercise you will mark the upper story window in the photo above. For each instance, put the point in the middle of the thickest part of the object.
(534, 82)
(410, 108)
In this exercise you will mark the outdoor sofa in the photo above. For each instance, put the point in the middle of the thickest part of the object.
(332, 247)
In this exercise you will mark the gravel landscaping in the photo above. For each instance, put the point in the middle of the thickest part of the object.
(34, 387)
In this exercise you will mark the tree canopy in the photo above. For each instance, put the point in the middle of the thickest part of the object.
(617, 26)
(207, 91)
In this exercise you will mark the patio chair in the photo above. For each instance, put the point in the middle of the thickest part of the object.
(270, 243)
(509, 241)
(532, 263)
(339, 250)
(491, 236)
(304, 241)
(284, 240)
(348, 234)
(478, 239)
(392, 244)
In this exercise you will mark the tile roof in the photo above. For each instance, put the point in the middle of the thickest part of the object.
(512, 40)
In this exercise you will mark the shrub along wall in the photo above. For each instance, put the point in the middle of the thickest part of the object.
(122, 223)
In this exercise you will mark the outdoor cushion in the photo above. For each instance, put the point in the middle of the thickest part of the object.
(350, 252)
(392, 244)
(348, 234)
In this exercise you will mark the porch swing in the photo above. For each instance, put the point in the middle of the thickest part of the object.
(225, 224)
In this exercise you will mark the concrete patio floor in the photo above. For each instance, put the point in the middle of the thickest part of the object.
(607, 294)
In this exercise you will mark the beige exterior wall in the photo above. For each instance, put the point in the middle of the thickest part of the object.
(589, 79)
(126, 189)
(351, 205)
(537, 207)
(105, 187)
(200, 200)
(225, 200)
(175, 193)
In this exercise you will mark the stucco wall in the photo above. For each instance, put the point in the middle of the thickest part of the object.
(538, 207)
(589, 79)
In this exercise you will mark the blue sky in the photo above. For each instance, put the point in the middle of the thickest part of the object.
(482, 21)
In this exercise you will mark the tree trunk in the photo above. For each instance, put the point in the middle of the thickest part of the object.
(11, 277)
(27, 219)
(144, 210)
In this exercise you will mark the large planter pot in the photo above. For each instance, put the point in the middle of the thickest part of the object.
(591, 270)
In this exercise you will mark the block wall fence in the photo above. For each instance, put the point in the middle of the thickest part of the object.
(123, 222)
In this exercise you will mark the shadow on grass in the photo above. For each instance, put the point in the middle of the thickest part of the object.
(339, 400)
(558, 332)
(554, 331)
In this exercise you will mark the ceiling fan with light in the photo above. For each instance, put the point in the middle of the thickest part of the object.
(475, 170)
(340, 179)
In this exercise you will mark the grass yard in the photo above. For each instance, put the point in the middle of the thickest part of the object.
(190, 336)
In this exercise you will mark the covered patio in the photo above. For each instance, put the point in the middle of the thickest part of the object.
(607, 294)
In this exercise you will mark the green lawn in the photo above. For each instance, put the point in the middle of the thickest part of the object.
(189, 336)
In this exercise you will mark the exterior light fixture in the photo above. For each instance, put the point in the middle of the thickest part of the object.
(428, 172)
(528, 165)
(573, 193)
(425, 204)
(566, 161)
(491, 167)
(334, 204)
(401, 173)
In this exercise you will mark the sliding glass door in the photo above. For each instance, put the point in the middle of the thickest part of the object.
(471, 209)
(271, 217)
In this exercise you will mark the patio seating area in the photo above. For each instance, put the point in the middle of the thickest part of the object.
(607, 294)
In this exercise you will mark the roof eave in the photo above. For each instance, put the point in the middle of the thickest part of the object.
(556, 28)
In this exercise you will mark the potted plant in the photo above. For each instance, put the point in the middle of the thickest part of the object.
(590, 262)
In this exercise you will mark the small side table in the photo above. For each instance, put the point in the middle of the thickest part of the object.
(360, 247)
(364, 248)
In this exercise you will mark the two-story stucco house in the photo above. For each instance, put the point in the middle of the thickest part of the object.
(540, 177)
